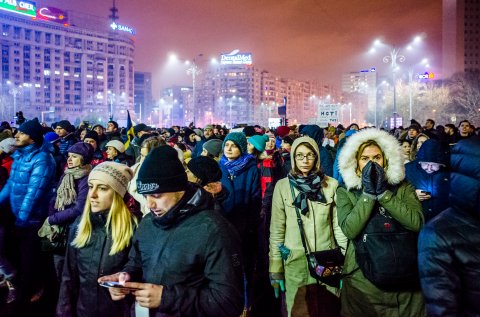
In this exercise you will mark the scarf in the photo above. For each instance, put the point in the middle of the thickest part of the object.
(310, 188)
(235, 167)
(66, 194)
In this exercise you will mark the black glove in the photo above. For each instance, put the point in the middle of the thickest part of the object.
(368, 183)
(378, 178)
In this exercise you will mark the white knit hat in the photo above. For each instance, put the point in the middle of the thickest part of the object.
(113, 174)
(8, 145)
(118, 145)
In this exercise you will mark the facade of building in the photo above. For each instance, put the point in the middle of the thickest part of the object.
(79, 69)
(143, 99)
(360, 89)
(460, 36)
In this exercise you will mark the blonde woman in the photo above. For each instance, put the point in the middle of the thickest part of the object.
(98, 245)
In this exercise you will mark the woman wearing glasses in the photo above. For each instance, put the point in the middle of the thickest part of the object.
(312, 193)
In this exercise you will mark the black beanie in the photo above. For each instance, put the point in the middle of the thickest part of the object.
(205, 169)
(161, 172)
(91, 135)
(33, 129)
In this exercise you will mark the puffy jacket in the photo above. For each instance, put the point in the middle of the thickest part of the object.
(31, 179)
(449, 245)
(195, 254)
(71, 212)
(80, 294)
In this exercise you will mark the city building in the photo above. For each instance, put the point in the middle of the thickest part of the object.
(360, 89)
(143, 99)
(65, 65)
(460, 37)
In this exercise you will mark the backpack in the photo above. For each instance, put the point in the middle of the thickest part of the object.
(386, 253)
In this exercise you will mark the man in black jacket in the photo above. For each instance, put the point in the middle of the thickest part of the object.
(185, 259)
(449, 245)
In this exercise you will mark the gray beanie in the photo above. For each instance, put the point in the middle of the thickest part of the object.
(213, 147)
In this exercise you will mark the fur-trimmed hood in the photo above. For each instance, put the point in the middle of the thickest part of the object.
(347, 162)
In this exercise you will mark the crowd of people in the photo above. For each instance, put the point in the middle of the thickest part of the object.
(188, 221)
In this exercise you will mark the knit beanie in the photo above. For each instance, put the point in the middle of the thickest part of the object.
(282, 131)
(259, 142)
(205, 169)
(213, 147)
(33, 129)
(51, 137)
(118, 145)
(8, 145)
(139, 128)
(161, 172)
(198, 132)
(91, 135)
(83, 149)
(187, 132)
(239, 139)
(115, 175)
(65, 124)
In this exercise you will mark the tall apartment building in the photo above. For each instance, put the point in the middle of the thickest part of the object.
(243, 94)
(460, 36)
(142, 95)
(78, 69)
(360, 89)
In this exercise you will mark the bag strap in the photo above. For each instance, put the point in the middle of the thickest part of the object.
(299, 221)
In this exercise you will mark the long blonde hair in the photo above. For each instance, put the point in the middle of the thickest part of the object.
(120, 225)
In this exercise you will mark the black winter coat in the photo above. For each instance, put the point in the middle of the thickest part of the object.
(195, 254)
(80, 294)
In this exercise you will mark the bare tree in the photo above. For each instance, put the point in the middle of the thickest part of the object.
(465, 94)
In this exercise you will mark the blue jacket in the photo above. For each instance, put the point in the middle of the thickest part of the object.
(243, 204)
(449, 245)
(437, 183)
(326, 159)
(66, 142)
(29, 186)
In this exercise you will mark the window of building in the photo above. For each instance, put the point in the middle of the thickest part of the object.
(38, 36)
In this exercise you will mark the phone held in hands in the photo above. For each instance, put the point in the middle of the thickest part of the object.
(425, 192)
(109, 284)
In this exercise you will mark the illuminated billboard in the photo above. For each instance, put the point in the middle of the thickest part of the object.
(24, 7)
(236, 58)
(119, 27)
(426, 75)
(53, 15)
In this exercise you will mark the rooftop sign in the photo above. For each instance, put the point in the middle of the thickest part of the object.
(52, 14)
(119, 27)
(236, 58)
(24, 7)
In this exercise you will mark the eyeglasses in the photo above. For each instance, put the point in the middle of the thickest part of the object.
(309, 156)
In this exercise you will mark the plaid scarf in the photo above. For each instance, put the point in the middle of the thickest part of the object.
(235, 167)
(310, 188)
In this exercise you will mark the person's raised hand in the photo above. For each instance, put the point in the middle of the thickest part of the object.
(380, 179)
(368, 184)
(116, 293)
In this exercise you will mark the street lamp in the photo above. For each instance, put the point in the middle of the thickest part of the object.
(393, 58)
(193, 70)
(111, 98)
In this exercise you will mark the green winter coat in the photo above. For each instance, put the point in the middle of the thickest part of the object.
(284, 230)
(359, 297)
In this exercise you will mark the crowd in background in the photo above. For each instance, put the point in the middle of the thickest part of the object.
(205, 221)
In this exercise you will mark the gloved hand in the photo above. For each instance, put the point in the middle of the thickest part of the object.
(277, 280)
(284, 251)
(368, 184)
(380, 179)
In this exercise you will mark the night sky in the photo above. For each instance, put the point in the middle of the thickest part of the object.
(300, 39)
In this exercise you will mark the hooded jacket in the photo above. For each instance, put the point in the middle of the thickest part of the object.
(317, 225)
(195, 254)
(316, 133)
(437, 183)
(449, 245)
(359, 296)
(29, 185)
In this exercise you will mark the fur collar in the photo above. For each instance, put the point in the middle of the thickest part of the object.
(347, 163)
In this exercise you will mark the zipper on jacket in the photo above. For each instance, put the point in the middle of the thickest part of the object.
(365, 237)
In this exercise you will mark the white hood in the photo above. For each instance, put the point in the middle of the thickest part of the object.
(347, 162)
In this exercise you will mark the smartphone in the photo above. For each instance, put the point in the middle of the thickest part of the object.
(109, 284)
(425, 192)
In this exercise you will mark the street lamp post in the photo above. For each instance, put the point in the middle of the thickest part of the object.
(392, 59)
(111, 98)
(194, 71)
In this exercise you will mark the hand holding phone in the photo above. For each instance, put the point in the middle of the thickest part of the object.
(110, 284)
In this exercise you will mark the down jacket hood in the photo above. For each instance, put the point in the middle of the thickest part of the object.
(309, 140)
(465, 175)
(347, 162)
(433, 151)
